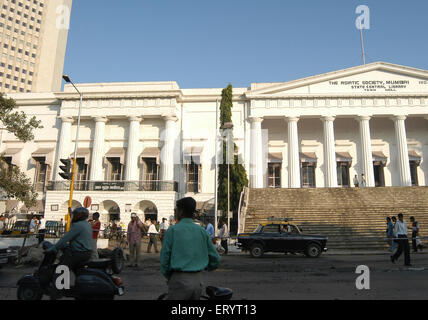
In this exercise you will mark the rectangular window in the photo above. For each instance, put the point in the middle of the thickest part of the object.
(379, 176)
(42, 173)
(274, 175)
(150, 174)
(343, 174)
(308, 174)
(193, 175)
(114, 169)
(81, 174)
(414, 173)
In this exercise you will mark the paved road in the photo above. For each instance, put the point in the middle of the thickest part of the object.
(277, 277)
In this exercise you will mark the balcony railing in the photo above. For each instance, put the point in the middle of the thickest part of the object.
(113, 186)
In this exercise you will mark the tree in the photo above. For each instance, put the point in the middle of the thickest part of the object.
(13, 182)
(238, 174)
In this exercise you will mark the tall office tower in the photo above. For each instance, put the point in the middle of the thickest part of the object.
(33, 40)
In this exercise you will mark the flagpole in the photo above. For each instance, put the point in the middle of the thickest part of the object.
(216, 171)
(362, 43)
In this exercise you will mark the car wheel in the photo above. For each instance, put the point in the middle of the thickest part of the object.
(313, 250)
(257, 250)
(29, 293)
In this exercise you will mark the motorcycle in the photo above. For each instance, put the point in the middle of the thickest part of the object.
(212, 293)
(94, 279)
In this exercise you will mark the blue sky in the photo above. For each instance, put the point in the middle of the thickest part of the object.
(205, 44)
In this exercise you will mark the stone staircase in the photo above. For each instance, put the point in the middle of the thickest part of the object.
(352, 218)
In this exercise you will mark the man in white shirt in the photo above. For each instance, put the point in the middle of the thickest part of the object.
(163, 227)
(152, 234)
(400, 230)
(42, 229)
(224, 236)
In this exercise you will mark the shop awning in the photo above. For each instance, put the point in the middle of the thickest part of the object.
(39, 207)
(379, 156)
(47, 153)
(151, 152)
(343, 157)
(308, 157)
(414, 156)
(192, 153)
(116, 153)
(275, 157)
(84, 153)
(13, 153)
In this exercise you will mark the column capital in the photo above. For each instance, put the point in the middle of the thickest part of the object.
(67, 119)
(255, 119)
(328, 118)
(364, 118)
(100, 119)
(170, 117)
(135, 118)
(292, 119)
(399, 117)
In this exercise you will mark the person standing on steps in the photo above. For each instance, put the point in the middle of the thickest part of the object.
(152, 235)
(416, 241)
(403, 241)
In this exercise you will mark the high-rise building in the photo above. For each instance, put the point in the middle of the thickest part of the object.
(33, 40)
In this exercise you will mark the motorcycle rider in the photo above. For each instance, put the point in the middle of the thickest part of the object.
(77, 243)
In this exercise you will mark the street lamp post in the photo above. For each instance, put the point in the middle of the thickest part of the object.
(70, 201)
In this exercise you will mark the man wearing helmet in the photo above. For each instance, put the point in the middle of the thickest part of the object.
(77, 242)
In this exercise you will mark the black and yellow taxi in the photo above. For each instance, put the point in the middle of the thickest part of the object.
(280, 235)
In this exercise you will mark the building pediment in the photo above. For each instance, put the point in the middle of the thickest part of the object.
(372, 79)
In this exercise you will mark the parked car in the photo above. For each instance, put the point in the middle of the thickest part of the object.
(279, 235)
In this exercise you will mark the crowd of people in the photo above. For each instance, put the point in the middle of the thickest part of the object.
(397, 235)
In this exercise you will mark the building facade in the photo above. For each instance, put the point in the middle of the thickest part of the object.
(144, 145)
(33, 38)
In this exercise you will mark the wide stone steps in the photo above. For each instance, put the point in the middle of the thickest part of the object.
(352, 218)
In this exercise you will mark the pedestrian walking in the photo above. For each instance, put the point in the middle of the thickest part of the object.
(356, 182)
(134, 240)
(211, 232)
(363, 180)
(163, 228)
(152, 235)
(416, 241)
(224, 236)
(186, 252)
(42, 230)
(33, 224)
(390, 234)
(96, 226)
(403, 241)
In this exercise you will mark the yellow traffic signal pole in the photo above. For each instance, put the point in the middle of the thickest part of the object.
(70, 201)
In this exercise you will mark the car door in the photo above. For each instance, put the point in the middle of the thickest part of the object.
(270, 236)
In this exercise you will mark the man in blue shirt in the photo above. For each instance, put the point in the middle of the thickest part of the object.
(187, 251)
(210, 229)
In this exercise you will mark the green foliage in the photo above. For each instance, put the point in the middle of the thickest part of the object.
(17, 122)
(13, 182)
(238, 174)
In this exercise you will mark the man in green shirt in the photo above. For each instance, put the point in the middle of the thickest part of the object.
(187, 251)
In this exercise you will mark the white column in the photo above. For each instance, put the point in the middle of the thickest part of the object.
(131, 167)
(167, 154)
(330, 164)
(63, 144)
(96, 170)
(293, 153)
(403, 151)
(256, 158)
(366, 150)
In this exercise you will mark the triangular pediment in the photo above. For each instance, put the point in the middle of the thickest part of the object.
(374, 78)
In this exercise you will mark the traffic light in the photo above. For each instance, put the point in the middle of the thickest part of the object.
(66, 168)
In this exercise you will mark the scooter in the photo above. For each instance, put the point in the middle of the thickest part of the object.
(94, 280)
(212, 293)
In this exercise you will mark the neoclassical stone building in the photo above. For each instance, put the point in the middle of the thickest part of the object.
(143, 145)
